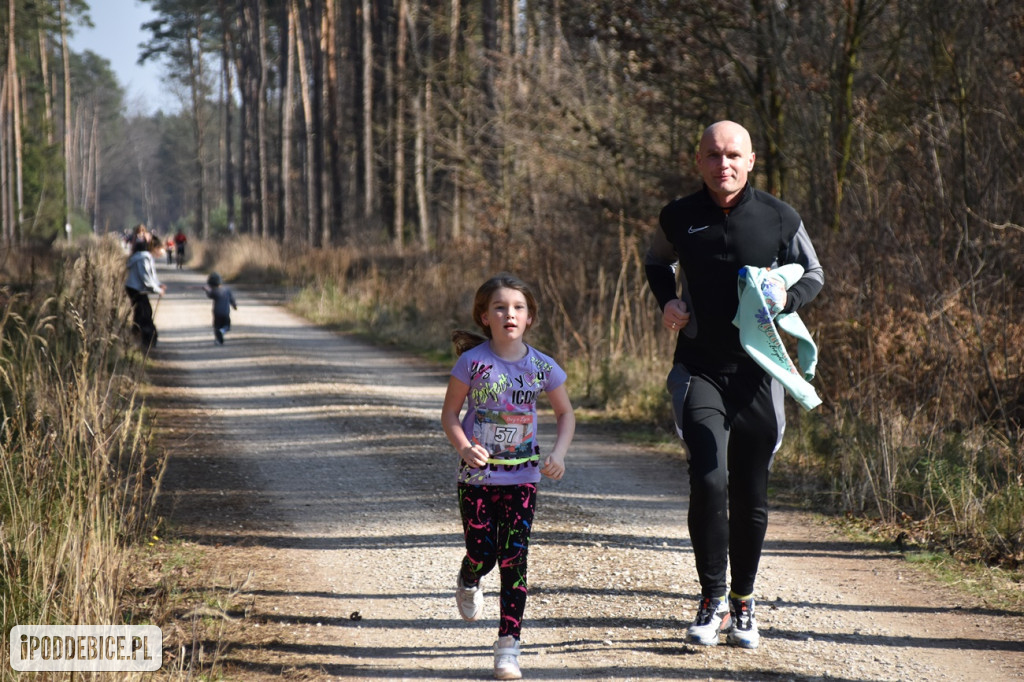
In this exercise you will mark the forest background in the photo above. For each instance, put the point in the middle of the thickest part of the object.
(382, 157)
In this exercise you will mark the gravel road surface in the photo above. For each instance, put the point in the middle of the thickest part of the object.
(310, 474)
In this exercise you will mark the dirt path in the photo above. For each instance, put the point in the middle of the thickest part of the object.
(311, 472)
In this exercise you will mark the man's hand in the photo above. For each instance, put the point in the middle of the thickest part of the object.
(774, 291)
(675, 315)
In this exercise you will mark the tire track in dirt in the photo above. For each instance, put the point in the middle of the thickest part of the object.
(311, 472)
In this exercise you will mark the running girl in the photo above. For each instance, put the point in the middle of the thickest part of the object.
(501, 376)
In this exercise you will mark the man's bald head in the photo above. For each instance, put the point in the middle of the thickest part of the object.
(725, 158)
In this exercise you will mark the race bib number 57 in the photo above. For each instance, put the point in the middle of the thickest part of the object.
(502, 432)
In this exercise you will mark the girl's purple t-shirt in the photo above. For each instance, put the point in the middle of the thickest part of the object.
(502, 412)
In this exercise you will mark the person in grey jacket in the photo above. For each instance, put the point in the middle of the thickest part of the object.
(140, 282)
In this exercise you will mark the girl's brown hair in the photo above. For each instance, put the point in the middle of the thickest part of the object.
(463, 339)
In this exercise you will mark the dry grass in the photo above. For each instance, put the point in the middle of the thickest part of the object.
(77, 476)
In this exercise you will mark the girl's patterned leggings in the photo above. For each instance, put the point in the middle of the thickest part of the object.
(496, 521)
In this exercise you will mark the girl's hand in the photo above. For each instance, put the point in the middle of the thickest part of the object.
(474, 455)
(554, 467)
(565, 424)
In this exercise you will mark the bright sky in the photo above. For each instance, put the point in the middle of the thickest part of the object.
(116, 36)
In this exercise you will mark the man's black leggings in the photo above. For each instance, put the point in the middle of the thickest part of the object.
(732, 425)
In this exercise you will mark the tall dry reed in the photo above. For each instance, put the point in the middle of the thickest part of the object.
(77, 477)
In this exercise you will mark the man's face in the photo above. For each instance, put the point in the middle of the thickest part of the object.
(724, 159)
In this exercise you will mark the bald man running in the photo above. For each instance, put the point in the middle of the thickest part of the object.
(728, 411)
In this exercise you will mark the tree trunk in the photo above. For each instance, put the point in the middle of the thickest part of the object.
(6, 217)
(767, 92)
(858, 19)
(194, 47)
(97, 174)
(227, 45)
(489, 139)
(14, 107)
(557, 37)
(421, 165)
(90, 196)
(263, 142)
(44, 69)
(400, 96)
(454, 80)
(334, 227)
(287, 124)
(250, 78)
(369, 172)
(310, 170)
(424, 116)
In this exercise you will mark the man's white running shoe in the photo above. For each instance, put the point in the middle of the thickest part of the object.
(744, 627)
(506, 658)
(469, 599)
(713, 618)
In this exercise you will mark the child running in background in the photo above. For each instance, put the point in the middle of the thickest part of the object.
(502, 377)
(223, 302)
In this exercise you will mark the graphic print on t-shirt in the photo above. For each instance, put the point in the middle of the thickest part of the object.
(502, 414)
(520, 392)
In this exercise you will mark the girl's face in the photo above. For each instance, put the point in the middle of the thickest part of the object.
(507, 315)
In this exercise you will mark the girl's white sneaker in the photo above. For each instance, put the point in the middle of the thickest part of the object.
(469, 599)
(506, 658)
